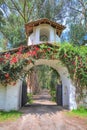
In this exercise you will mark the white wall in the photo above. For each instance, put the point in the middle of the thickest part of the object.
(2, 96)
(82, 101)
(31, 39)
(69, 91)
(10, 97)
(34, 38)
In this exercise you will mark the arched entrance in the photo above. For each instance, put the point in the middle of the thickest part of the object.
(68, 89)
(42, 81)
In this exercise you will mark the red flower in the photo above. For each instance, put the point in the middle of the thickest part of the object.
(33, 53)
(13, 60)
(74, 63)
(7, 55)
(20, 48)
(1, 59)
(48, 49)
(7, 75)
(19, 53)
(28, 53)
(36, 48)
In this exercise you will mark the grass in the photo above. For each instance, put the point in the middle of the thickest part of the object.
(11, 115)
(80, 112)
(30, 98)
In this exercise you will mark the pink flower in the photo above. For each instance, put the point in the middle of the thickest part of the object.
(36, 48)
(7, 55)
(19, 53)
(20, 48)
(48, 49)
(33, 53)
(13, 60)
(74, 63)
(1, 59)
(28, 53)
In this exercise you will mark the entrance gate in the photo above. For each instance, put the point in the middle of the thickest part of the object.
(24, 94)
(59, 95)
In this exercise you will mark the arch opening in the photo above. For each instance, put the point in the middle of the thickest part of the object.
(68, 89)
(44, 82)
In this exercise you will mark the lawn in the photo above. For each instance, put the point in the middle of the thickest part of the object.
(81, 112)
(11, 115)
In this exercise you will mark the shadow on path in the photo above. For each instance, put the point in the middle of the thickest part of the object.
(42, 104)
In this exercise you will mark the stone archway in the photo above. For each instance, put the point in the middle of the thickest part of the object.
(68, 89)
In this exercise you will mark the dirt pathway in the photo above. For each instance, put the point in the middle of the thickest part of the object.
(44, 115)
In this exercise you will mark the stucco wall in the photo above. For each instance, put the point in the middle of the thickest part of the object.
(82, 101)
(10, 97)
(34, 38)
(2, 97)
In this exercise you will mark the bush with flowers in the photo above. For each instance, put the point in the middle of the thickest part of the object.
(13, 61)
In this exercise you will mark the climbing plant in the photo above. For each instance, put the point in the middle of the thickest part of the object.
(12, 62)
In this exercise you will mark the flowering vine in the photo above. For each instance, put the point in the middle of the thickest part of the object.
(12, 62)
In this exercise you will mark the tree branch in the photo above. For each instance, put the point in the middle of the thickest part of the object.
(24, 9)
(18, 10)
(82, 3)
(76, 10)
(4, 34)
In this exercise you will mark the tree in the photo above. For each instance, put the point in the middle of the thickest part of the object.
(80, 8)
(16, 14)
(77, 34)
(77, 20)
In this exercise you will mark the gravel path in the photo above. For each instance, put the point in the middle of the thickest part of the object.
(44, 115)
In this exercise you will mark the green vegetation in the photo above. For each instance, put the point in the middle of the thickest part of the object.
(30, 98)
(75, 58)
(80, 112)
(47, 79)
(53, 94)
(14, 14)
(53, 83)
(11, 115)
